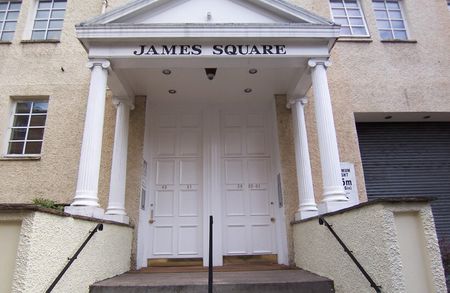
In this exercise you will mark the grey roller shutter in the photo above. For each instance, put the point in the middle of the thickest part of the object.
(408, 159)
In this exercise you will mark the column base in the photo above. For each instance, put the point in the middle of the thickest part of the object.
(332, 206)
(85, 211)
(301, 215)
(124, 219)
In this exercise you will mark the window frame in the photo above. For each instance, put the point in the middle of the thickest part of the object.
(4, 20)
(29, 28)
(363, 16)
(11, 126)
(392, 29)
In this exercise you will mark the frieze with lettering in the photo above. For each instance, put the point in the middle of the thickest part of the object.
(215, 50)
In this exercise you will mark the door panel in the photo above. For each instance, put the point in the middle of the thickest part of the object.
(165, 203)
(176, 206)
(162, 241)
(246, 187)
(165, 172)
(167, 142)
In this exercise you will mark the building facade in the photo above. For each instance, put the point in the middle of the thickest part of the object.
(250, 111)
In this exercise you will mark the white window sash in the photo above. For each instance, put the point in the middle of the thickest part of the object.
(11, 126)
(391, 29)
(350, 26)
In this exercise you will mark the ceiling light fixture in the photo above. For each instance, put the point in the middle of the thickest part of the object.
(172, 92)
(253, 71)
(166, 71)
(210, 73)
(248, 90)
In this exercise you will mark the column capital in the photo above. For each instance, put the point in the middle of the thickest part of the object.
(123, 100)
(291, 101)
(105, 64)
(314, 62)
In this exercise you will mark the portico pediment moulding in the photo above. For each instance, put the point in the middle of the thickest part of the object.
(288, 12)
(142, 19)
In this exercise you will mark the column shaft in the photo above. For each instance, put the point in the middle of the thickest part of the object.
(307, 203)
(116, 204)
(89, 169)
(333, 192)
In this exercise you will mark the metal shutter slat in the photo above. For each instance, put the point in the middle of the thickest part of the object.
(408, 159)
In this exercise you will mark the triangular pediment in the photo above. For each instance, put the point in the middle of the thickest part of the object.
(208, 12)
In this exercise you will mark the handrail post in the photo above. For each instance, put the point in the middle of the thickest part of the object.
(99, 227)
(210, 265)
(377, 288)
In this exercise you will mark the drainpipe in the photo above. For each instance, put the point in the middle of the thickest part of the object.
(104, 6)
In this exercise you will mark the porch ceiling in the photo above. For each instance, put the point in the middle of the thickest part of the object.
(192, 85)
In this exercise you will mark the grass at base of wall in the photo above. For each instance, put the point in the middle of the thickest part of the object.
(48, 203)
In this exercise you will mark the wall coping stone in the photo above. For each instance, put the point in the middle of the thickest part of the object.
(382, 200)
(24, 207)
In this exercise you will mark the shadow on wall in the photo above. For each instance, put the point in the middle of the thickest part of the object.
(444, 244)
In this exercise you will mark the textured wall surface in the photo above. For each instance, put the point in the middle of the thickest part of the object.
(370, 233)
(9, 240)
(34, 69)
(46, 241)
(367, 75)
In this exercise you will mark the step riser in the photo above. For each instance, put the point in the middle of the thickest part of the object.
(322, 287)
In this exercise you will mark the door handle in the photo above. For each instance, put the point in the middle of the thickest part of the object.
(272, 220)
(151, 220)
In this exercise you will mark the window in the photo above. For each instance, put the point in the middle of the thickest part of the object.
(390, 21)
(49, 20)
(448, 4)
(27, 129)
(9, 12)
(348, 14)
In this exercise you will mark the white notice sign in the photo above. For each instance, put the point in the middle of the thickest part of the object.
(349, 182)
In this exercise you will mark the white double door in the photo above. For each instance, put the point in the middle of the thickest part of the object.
(200, 161)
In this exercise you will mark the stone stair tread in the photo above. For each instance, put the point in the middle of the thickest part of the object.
(250, 281)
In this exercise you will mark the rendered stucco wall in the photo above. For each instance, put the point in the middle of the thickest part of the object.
(366, 76)
(34, 69)
(372, 234)
(9, 240)
(47, 240)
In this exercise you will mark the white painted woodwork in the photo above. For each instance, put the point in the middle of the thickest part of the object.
(176, 206)
(88, 173)
(207, 11)
(196, 11)
(333, 192)
(247, 194)
(116, 203)
(307, 204)
(241, 199)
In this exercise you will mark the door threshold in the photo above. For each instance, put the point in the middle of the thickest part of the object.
(224, 268)
(250, 259)
(174, 262)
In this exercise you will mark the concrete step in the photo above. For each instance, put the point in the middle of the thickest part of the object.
(279, 281)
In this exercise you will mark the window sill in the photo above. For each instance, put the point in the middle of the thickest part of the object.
(5, 43)
(40, 41)
(20, 158)
(355, 39)
(399, 41)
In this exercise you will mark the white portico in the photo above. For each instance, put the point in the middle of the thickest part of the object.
(210, 144)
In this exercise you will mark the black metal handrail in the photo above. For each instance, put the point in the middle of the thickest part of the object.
(210, 264)
(377, 288)
(99, 227)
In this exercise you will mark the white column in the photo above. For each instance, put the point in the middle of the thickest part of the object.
(86, 198)
(333, 192)
(116, 205)
(307, 204)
